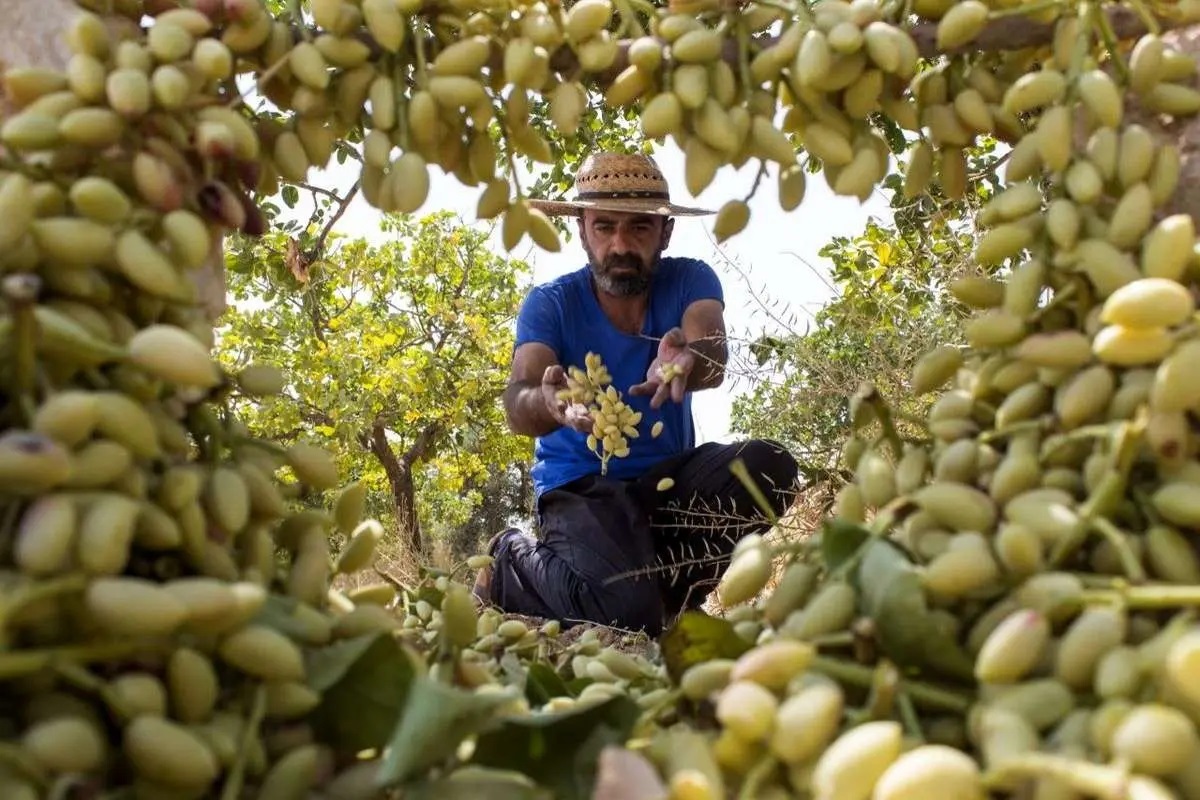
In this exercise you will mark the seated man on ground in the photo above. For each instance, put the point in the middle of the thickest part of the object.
(613, 549)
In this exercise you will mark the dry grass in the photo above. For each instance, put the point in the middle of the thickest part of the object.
(395, 564)
(797, 523)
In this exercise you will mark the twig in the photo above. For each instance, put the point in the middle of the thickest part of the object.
(308, 187)
(319, 246)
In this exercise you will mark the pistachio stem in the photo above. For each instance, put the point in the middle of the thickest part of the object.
(647, 8)
(263, 444)
(1152, 596)
(738, 468)
(885, 682)
(1060, 297)
(1078, 54)
(509, 152)
(630, 24)
(21, 663)
(758, 176)
(78, 676)
(909, 716)
(233, 781)
(422, 70)
(890, 433)
(33, 592)
(756, 777)
(1100, 502)
(1094, 780)
(925, 695)
(1148, 19)
(400, 92)
(743, 44)
(1012, 430)
(1102, 23)
(263, 79)
(1120, 542)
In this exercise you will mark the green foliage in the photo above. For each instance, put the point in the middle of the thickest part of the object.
(891, 306)
(395, 356)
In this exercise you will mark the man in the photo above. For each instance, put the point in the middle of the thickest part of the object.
(613, 548)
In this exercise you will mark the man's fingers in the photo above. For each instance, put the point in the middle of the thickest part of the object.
(678, 388)
(580, 419)
(675, 337)
(553, 374)
(661, 393)
(645, 387)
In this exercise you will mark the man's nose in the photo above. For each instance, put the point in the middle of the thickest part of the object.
(622, 242)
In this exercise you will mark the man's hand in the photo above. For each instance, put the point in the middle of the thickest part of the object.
(668, 373)
(565, 413)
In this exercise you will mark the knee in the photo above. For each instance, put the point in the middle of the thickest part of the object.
(776, 470)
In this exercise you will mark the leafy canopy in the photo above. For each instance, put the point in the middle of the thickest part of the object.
(405, 342)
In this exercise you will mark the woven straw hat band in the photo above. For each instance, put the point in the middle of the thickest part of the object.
(622, 182)
(614, 175)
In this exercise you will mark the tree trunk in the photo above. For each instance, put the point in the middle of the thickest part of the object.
(404, 498)
(399, 471)
(404, 495)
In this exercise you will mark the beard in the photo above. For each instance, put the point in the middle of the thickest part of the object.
(623, 274)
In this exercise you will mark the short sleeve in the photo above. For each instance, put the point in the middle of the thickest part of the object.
(538, 321)
(699, 281)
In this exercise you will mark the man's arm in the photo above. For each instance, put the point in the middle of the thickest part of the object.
(525, 402)
(704, 328)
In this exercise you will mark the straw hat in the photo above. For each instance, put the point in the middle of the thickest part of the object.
(619, 182)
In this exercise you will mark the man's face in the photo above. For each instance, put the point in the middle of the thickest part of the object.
(623, 248)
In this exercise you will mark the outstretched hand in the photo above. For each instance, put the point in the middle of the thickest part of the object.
(668, 373)
(565, 413)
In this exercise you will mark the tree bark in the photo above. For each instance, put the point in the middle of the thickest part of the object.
(404, 493)
(399, 471)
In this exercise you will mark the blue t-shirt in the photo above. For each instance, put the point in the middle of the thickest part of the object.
(565, 315)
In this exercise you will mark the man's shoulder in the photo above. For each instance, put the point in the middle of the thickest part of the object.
(562, 285)
(684, 267)
(685, 262)
(682, 274)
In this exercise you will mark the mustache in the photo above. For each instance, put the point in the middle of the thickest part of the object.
(617, 260)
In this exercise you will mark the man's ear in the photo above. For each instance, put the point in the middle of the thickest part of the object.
(668, 229)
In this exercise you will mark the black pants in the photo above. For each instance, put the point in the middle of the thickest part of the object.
(622, 553)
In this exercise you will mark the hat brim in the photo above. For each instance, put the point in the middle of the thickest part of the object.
(634, 205)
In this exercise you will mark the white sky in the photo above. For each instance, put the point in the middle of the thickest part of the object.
(774, 259)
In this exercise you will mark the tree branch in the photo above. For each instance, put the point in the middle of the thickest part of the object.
(343, 203)
(308, 187)
(423, 445)
(1017, 32)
